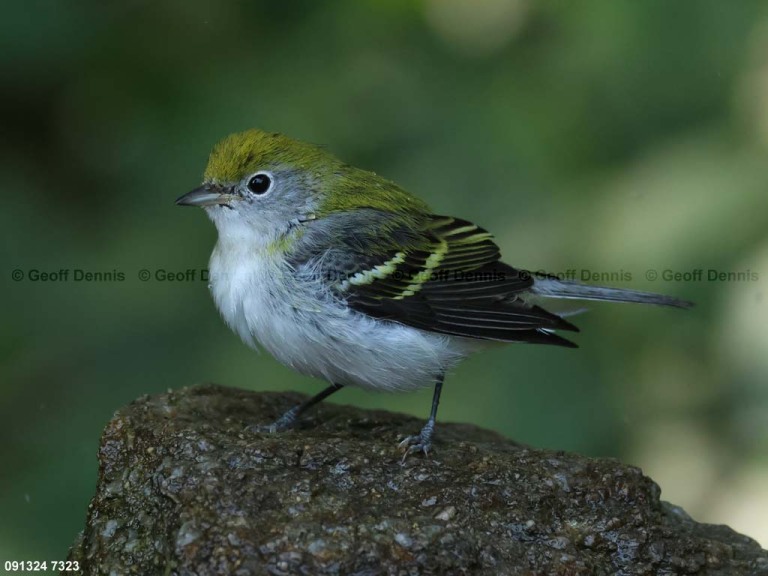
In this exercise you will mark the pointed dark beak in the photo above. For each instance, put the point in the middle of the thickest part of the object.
(205, 195)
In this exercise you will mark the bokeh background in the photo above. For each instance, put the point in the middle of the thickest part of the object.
(615, 137)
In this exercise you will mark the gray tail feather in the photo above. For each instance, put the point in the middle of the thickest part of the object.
(551, 288)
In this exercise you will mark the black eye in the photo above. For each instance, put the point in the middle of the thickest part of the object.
(259, 183)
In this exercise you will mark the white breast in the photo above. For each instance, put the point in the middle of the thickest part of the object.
(262, 301)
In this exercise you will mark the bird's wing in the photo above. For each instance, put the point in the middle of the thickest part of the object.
(440, 274)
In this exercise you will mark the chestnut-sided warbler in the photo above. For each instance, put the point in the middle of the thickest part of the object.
(343, 275)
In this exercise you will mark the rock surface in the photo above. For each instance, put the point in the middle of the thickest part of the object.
(183, 489)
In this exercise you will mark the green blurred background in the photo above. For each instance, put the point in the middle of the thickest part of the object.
(617, 136)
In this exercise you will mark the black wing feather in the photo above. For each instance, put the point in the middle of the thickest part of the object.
(446, 278)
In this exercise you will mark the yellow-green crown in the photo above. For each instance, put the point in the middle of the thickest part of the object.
(343, 187)
(243, 153)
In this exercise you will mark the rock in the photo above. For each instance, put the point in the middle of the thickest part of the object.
(184, 489)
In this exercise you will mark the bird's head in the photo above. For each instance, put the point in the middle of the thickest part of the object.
(261, 184)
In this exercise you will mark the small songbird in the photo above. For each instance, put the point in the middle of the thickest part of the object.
(343, 275)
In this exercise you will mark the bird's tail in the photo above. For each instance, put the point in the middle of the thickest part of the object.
(553, 288)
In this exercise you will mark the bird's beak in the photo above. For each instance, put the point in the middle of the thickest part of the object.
(206, 195)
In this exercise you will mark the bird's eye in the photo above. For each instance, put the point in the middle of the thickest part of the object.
(259, 183)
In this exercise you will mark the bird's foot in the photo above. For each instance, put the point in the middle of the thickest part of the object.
(421, 442)
(285, 422)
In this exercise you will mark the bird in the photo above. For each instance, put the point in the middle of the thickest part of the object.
(341, 274)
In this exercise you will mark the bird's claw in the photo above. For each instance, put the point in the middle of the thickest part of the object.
(282, 424)
(263, 428)
(421, 442)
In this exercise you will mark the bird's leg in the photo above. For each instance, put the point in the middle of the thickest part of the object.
(423, 441)
(288, 419)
